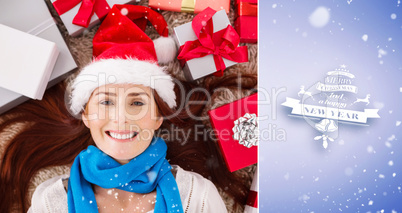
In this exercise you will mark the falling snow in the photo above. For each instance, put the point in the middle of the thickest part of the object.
(365, 37)
(124, 11)
(370, 149)
(391, 138)
(388, 144)
(320, 17)
(304, 198)
(381, 53)
(370, 168)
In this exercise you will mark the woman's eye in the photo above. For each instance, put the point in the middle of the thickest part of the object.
(106, 103)
(137, 103)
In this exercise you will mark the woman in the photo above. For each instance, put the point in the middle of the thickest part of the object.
(122, 98)
(122, 119)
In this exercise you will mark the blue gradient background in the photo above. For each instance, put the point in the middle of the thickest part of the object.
(297, 174)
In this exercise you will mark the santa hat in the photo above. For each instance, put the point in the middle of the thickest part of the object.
(123, 53)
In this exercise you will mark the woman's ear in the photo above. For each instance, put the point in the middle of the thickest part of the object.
(159, 122)
(85, 119)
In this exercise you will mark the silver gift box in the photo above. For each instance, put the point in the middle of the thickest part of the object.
(33, 16)
(203, 66)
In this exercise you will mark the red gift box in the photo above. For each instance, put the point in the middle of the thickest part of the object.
(246, 23)
(233, 122)
(189, 6)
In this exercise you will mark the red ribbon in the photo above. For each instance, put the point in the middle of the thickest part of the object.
(252, 199)
(86, 11)
(247, 9)
(222, 44)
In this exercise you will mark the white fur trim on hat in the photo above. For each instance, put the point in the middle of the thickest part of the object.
(165, 48)
(120, 71)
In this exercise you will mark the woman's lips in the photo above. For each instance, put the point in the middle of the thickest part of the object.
(121, 136)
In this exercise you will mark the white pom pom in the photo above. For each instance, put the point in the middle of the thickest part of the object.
(165, 48)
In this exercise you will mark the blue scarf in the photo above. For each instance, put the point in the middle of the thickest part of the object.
(143, 174)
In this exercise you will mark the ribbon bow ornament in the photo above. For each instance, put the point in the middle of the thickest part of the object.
(86, 11)
(222, 44)
(246, 130)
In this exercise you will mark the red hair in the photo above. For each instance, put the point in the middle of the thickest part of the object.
(53, 137)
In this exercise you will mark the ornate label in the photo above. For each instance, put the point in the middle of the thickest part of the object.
(336, 99)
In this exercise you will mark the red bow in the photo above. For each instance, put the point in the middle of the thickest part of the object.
(222, 44)
(86, 11)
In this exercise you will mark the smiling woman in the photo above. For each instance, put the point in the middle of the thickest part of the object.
(122, 119)
(117, 162)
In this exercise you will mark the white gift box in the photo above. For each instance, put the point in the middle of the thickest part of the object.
(26, 62)
(200, 67)
(33, 16)
(76, 30)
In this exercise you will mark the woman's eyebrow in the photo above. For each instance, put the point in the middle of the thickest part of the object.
(137, 94)
(130, 94)
(106, 93)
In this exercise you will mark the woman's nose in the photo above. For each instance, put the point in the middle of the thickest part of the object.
(121, 116)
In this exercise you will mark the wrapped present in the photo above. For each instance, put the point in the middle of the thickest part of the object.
(246, 23)
(237, 131)
(39, 22)
(77, 15)
(208, 45)
(189, 6)
(252, 198)
(26, 62)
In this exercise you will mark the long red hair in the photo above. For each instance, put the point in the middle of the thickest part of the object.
(53, 137)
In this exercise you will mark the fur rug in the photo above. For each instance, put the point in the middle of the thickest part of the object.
(81, 49)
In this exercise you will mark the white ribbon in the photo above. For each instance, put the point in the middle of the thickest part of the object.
(329, 112)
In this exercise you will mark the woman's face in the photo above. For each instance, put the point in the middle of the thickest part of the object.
(122, 119)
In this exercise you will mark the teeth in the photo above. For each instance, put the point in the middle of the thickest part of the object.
(121, 136)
